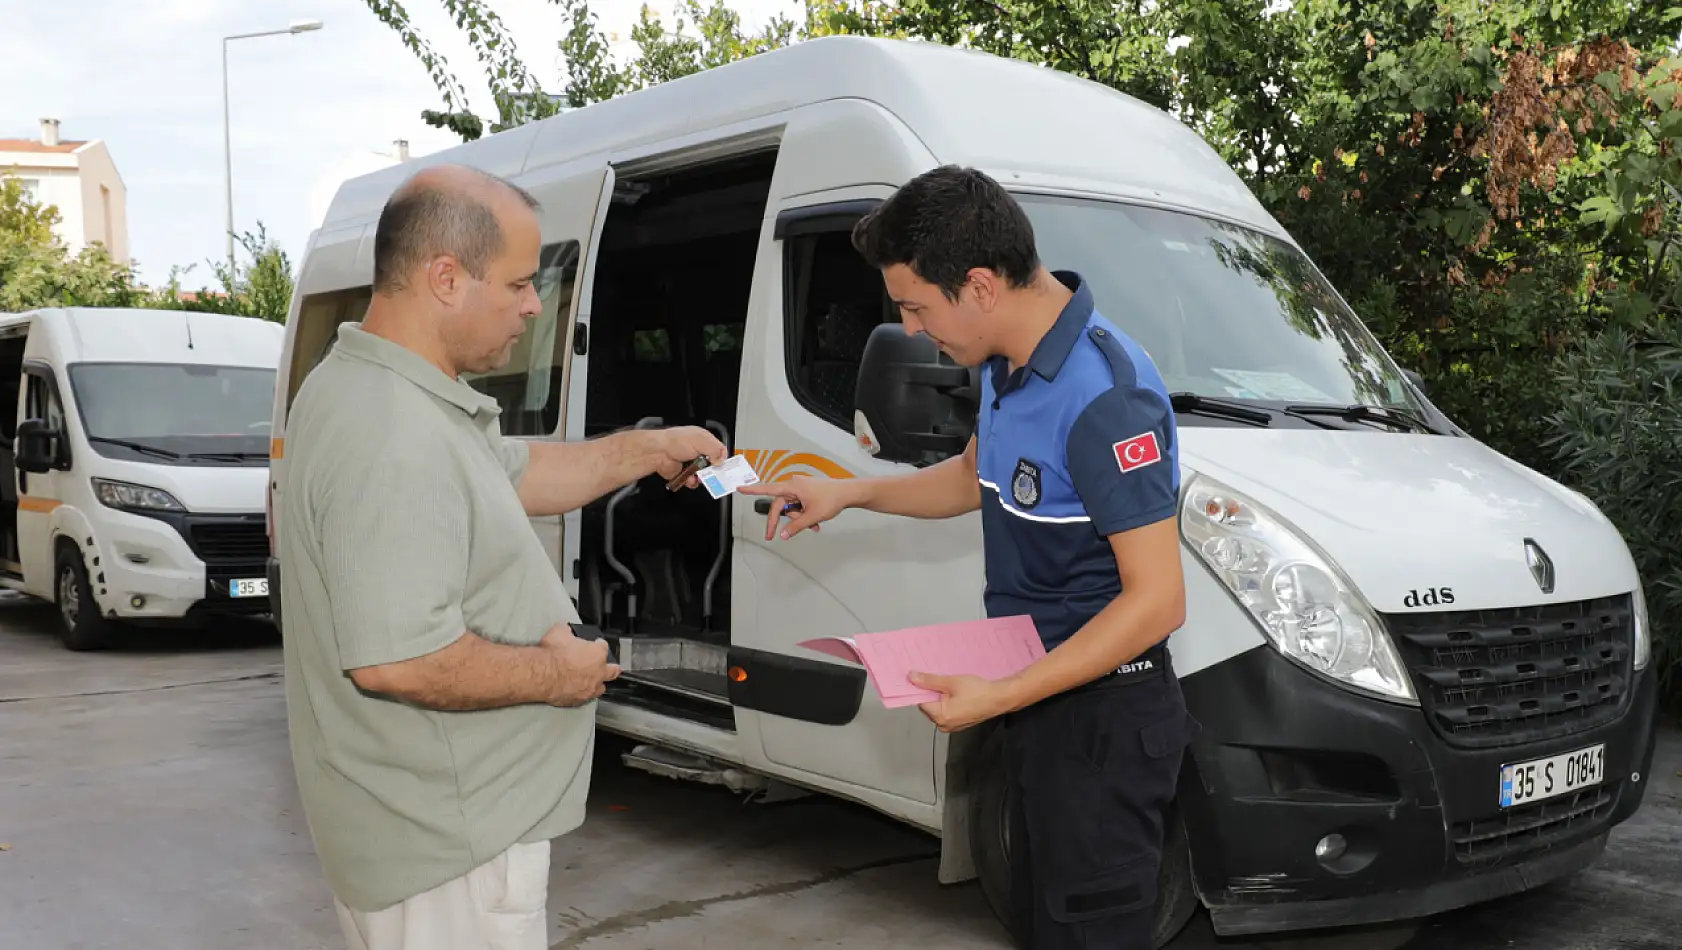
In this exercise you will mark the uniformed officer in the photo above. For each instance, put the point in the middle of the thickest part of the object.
(1074, 467)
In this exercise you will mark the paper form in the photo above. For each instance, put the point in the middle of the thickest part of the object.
(991, 649)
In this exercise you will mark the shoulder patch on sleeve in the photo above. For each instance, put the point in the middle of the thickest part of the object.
(1137, 452)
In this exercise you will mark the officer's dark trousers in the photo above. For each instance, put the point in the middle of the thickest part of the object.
(1094, 769)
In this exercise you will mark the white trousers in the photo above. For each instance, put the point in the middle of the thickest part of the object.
(499, 905)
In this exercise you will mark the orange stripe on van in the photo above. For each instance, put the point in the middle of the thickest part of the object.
(38, 505)
(772, 464)
(277, 448)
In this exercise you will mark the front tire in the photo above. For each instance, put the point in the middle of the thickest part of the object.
(80, 625)
(989, 828)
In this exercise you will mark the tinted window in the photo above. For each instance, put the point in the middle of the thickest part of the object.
(834, 300)
(319, 317)
(529, 389)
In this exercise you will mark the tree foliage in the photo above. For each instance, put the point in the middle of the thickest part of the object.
(38, 270)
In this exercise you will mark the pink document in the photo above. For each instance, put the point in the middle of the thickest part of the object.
(991, 649)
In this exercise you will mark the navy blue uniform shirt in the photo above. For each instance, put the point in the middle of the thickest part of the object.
(1077, 445)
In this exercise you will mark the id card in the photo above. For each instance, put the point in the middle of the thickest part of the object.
(727, 476)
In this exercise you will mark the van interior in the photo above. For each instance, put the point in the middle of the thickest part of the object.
(672, 281)
(11, 386)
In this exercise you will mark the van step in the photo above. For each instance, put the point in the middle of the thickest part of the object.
(696, 684)
(675, 705)
(670, 763)
(677, 665)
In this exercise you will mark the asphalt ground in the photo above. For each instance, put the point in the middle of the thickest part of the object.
(147, 800)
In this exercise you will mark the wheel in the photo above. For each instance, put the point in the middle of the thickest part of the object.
(80, 625)
(989, 829)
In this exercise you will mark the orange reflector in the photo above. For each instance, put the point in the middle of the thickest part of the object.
(738, 675)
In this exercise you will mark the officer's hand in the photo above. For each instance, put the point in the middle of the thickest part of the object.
(965, 700)
(808, 502)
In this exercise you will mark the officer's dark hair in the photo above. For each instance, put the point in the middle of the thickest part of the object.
(945, 222)
(425, 218)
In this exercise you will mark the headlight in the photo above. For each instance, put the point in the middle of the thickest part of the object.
(125, 495)
(1307, 608)
(1643, 630)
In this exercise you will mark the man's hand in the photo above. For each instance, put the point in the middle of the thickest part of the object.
(965, 700)
(813, 501)
(677, 447)
(582, 671)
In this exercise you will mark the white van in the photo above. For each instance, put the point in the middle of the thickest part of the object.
(1420, 668)
(135, 448)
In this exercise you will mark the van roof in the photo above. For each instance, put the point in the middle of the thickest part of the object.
(132, 335)
(1041, 126)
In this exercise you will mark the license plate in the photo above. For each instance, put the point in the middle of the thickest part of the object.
(1525, 782)
(255, 587)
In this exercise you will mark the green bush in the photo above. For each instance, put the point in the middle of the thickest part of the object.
(1618, 439)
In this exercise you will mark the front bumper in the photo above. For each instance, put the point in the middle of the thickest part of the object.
(190, 564)
(1285, 758)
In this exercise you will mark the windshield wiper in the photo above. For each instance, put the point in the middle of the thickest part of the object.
(227, 456)
(1395, 418)
(137, 446)
(1203, 405)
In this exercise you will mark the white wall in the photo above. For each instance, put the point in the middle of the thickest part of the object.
(71, 182)
(104, 218)
(61, 187)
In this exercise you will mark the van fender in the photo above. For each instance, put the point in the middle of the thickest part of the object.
(69, 525)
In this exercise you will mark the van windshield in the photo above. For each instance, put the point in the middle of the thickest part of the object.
(183, 414)
(1223, 311)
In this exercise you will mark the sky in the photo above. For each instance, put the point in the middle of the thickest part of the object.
(306, 110)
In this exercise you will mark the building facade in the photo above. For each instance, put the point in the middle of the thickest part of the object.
(80, 179)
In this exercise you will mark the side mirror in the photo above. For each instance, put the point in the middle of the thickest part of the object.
(36, 446)
(913, 403)
(1417, 380)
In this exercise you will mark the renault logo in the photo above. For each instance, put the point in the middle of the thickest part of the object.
(1541, 566)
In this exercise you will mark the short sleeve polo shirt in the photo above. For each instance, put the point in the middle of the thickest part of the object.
(1075, 446)
(399, 528)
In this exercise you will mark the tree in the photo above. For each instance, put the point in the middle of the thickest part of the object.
(591, 74)
(262, 289)
(37, 270)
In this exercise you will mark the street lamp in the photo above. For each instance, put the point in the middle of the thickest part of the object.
(298, 26)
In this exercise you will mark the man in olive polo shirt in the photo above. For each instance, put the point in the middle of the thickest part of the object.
(440, 707)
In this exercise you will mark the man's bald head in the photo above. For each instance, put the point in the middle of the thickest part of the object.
(445, 209)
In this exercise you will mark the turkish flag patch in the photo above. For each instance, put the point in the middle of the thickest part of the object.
(1137, 452)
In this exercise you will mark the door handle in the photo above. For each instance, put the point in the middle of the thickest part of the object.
(763, 506)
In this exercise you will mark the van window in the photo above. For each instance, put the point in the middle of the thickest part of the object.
(198, 413)
(529, 389)
(832, 303)
(1223, 311)
(41, 402)
(319, 317)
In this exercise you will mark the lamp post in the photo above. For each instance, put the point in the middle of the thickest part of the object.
(298, 26)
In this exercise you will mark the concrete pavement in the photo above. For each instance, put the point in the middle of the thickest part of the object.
(147, 798)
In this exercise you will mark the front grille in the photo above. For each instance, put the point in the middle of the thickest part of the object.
(1530, 828)
(1490, 678)
(231, 542)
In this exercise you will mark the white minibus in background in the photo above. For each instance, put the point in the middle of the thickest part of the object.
(1420, 669)
(135, 449)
